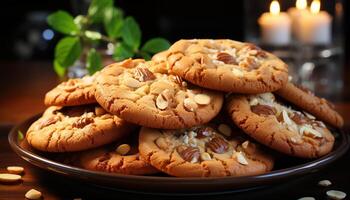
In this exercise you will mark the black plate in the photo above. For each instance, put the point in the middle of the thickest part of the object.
(286, 168)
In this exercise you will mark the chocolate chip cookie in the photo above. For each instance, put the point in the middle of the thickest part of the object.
(73, 92)
(66, 129)
(225, 65)
(211, 150)
(280, 126)
(135, 91)
(307, 100)
(121, 157)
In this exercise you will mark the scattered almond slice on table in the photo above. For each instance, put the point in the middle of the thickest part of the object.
(15, 169)
(33, 194)
(325, 183)
(336, 194)
(306, 198)
(9, 178)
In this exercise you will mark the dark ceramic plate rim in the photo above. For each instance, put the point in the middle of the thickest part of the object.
(300, 169)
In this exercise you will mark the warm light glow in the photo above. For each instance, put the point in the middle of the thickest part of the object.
(315, 6)
(301, 4)
(275, 7)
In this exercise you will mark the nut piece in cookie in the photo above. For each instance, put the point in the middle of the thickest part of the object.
(75, 128)
(224, 65)
(279, 126)
(73, 92)
(134, 90)
(308, 101)
(203, 151)
(120, 157)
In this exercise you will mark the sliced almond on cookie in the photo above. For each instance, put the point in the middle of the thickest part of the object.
(131, 82)
(245, 144)
(161, 102)
(123, 149)
(305, 130)
(237, 72)
(190, 105)
(240, 158)
(205, 156)
(202, 99)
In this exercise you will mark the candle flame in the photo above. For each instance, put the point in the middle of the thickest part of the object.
(301, 4)
(315, 6)
(275, 7)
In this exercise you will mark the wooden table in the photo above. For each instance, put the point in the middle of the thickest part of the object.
(23, 86)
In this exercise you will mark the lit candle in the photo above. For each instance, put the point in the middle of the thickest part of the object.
(275, 26)
(315, 28)
(296, 14)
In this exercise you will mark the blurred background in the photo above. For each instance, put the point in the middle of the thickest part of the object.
(27, 42)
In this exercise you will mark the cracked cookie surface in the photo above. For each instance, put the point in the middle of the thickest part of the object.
(225, 65)
(280, 127)
(211, 150)
(120, 157)
(305, 99)
(73, 92)
(135, 91)
(67, 129)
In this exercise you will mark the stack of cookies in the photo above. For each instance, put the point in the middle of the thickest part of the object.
(202, 108)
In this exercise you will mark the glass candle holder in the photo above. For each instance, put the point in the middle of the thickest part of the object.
(307, 35)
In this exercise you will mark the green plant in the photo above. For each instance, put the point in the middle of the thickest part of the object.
(81, 37)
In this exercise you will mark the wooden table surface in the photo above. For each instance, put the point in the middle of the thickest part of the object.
(23, 86)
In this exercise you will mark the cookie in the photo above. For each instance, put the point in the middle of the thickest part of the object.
(135, 91)
(210, 150)
(67, 129)
(225, 65)
(121, 157)
(279, 126)
(307, 100)
(72, 92)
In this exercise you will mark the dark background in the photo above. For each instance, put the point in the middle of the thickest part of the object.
(173, 20)
(170, 19)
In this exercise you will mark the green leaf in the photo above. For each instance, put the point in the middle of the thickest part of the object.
(97, 9)
(94, 61)
(80, 21)
(93, 35)
(67, 51)
(131, 33)
(145, 55)
(20, 136)
(156, 45)
(63, 22)
(113, 22)
(59, 69)
(122, 51)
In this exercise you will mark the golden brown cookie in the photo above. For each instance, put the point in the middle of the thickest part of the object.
(225, 65)
(305, 99)
(67, 129)
(73, 92)
(135, 91)
(120, 157)
(279, 126)
(211, 150)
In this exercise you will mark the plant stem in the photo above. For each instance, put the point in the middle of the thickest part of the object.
(107, 39)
